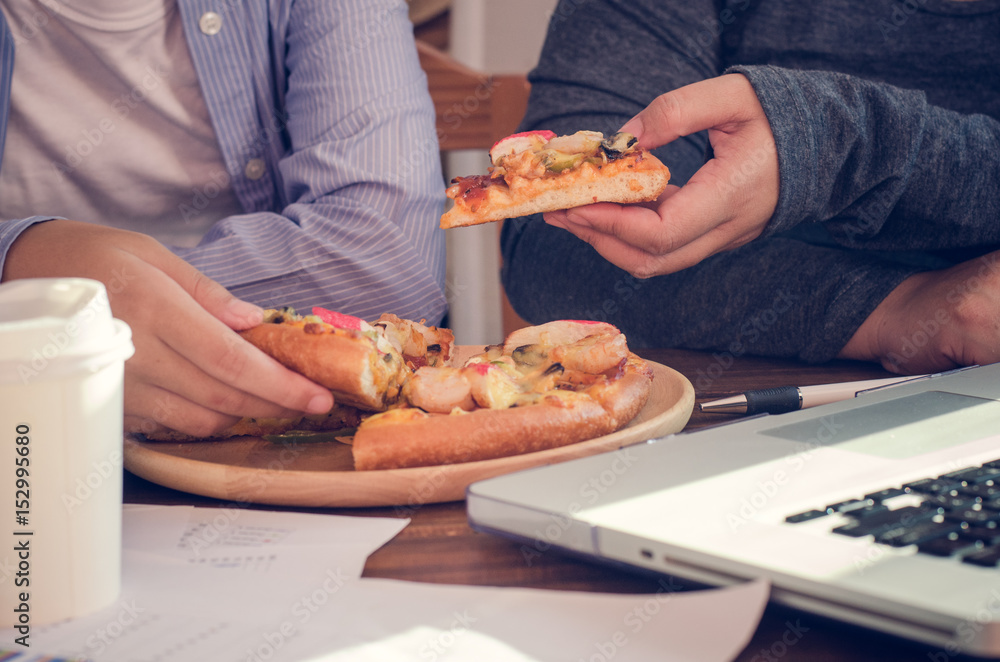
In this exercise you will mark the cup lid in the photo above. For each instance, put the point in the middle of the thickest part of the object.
(51, 326)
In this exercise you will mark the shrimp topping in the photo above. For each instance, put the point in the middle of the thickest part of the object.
(439, 390)
(592, 347)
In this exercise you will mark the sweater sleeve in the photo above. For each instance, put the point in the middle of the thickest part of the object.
(877, 164)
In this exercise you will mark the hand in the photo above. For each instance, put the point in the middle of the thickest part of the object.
(191, 371)
(935, 320)
(725, 204)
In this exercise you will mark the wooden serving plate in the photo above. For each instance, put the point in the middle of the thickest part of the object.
(321, 474)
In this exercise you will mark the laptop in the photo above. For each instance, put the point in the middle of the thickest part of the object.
(882, 510)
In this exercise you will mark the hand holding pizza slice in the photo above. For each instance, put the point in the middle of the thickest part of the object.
(364, 365)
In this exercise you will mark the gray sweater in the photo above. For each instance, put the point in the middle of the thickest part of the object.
(885, 116)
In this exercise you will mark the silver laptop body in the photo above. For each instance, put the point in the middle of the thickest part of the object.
(787, 497)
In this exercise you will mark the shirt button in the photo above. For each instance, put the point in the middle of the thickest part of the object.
(210, 23)
(255, 169)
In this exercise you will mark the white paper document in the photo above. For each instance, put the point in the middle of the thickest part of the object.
(281, 587)
(283, 543)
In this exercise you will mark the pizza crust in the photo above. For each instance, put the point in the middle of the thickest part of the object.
(625, 398)
(245, 427)
(482, 434)
(350, 366)
(338, 418)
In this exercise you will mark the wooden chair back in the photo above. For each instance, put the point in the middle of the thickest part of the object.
(474, 109)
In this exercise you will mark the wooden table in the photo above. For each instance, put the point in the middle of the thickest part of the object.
(438, 545)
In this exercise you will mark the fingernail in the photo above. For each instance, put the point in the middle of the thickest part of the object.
(320, 404)
(247, 313)
(573, 217)
(554, 217)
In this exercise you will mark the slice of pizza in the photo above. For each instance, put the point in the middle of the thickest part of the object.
(538, 171)
(546, 386)
(356, 360)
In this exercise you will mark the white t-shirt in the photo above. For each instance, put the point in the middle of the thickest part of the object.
(108, 123)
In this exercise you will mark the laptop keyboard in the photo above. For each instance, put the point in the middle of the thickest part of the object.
(956, 514)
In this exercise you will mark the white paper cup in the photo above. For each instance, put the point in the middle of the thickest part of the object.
(62, 358)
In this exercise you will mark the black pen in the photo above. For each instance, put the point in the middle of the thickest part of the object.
(783, 399)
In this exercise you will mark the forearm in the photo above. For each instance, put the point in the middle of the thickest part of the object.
(311, 257)
(877, 164)
(9, 233)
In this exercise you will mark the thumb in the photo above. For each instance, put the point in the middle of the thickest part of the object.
(707, 104)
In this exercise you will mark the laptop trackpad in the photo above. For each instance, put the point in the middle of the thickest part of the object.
(900, 428)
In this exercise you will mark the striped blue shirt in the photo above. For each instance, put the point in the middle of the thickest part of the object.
(326, 128)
